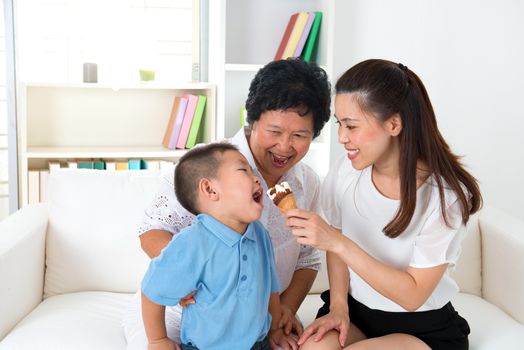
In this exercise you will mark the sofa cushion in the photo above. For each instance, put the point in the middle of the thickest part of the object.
(92, 242)
(88, 320)
(491, 328)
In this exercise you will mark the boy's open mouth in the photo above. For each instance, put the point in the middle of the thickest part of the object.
(257, 196)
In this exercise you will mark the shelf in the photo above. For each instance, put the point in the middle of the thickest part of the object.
(137, 86)
(234, 67)
(102, 152)
(61, 122)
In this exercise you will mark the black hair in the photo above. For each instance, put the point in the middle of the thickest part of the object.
(290, 83)
(198, 163)
(384, 88)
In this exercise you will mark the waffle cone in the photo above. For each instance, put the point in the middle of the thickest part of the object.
(287, 203)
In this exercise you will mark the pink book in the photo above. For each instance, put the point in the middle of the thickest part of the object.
(305, 34)
(178, 123)
(188, 119)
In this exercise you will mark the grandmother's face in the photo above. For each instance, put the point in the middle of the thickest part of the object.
(279, 140)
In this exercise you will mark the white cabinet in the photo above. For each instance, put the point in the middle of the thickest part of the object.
(244, 36)
(84, 121)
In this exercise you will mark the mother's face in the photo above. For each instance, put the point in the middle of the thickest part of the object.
(279, 140)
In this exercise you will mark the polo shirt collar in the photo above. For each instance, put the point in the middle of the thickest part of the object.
(224, 233)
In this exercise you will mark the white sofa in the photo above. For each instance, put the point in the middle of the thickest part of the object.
(69, 267)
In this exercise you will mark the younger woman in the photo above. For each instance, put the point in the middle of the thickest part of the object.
(396, 204)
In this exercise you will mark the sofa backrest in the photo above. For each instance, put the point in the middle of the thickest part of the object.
(92, 234)
(468, 272)
(92, 242)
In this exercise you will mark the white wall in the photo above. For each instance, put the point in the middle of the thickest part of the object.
(470, 55)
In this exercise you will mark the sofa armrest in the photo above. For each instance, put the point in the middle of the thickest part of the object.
(503, 261)
(22, 264)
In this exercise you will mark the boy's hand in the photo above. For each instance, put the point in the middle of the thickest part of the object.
(188, 299)
(163, 344)
(279, 340)
(289, 322)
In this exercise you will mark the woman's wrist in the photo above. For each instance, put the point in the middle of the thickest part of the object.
(339, 306)
(338, 246)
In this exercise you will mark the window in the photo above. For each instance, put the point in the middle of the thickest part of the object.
(4, 190)
(56, 37)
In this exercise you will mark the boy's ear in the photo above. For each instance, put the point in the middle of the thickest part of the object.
(206, 188)
(394, 124)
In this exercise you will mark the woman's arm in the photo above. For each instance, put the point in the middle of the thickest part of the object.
(153, 241)
(298, 288)
(338, 275)
(410, 288)
(337, 319)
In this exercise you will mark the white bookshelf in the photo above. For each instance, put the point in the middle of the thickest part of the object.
(62, 122)
(246, 36)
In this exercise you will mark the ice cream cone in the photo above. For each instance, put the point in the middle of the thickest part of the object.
(287, 203)
(282, 197)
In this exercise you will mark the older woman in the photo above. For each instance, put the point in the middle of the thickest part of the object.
(288, 105)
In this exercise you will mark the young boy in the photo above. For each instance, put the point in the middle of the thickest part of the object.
(225, 255)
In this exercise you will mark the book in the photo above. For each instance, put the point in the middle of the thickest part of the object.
(86, 164)
(295, 35)
(285, 37)
(135, 164)
(99, 164)
(188, 119)
(182, 106)
(44, 179)
(122, 165)
(33, 186)
(305, 34)
(110, 165)
(171, 123)
(312, 39)
(196, 124)
(70, 164)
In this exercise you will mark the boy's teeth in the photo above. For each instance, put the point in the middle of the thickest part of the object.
(353, 151)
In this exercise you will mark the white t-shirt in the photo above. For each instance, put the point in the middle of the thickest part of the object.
(351, 201)
(166, 213)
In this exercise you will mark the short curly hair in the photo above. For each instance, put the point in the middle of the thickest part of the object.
(290, 83)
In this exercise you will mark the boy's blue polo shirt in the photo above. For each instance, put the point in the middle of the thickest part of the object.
(233, 275)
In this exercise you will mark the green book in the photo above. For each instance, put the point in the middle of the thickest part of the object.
(312, 39)
(86, 164)
(197, 122)
(99, 164)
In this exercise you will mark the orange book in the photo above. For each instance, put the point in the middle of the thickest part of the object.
(285, 37)
(169, 129)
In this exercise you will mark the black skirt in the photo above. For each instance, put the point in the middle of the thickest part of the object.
(440, 329)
